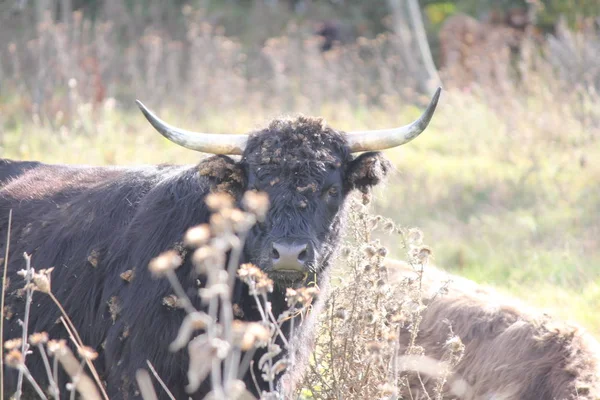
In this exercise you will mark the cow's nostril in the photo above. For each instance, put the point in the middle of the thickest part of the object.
(275, 254)
(302, 256)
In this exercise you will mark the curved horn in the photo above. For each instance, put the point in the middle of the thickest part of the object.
(388, 138)
(204, 142)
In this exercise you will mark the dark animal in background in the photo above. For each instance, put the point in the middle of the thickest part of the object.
(511, 351)
(92, 224)
(334, 33)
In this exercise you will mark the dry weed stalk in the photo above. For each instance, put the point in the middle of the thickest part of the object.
(371, 324)
(89, 389)
(224, 350)
(4, 285)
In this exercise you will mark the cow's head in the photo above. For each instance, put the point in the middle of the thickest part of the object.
(307, 169)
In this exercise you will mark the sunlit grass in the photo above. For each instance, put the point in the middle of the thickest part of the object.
(510, 203)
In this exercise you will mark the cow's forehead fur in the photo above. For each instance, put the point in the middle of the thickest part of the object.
(292, 144)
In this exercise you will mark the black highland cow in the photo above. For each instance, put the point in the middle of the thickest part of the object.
(92, 224)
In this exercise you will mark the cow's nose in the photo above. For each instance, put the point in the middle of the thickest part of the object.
(290, 256)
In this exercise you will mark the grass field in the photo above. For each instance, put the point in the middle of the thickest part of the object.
(505, 191)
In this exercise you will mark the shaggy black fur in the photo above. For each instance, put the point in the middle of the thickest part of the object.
(94, 223)
(10, 169)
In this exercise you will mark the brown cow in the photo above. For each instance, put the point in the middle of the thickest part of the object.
(510, 351)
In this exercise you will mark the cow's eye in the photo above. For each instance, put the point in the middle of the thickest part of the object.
(333, 191)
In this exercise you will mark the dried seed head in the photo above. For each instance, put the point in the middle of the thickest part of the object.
(93, 258)
(7, 312)
(56, 346)
(301, 295)
(239, 220)
(370, 251)
(366, 198)
(219, 201)
(382, 251)
(257, 203)
(415, 236)
(374, 222)
(167, 261)
(208, 258)
(38, 338)
(128, 275)
(114, 308)
(250, 334)
(87, 353)
(374, 347)
(197, 236)
(421, 254)
(172, 301)
(264, 286)
(388, 390)
(219, 224)
(14, 359)
(454, 344)
(41, 280)
(389, 226)
(13, 344)
(341, 314)
(255, 278)
(368, 317)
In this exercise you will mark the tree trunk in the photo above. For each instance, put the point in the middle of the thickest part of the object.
(408, 25)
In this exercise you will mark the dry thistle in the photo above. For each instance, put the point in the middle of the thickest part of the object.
(219, 201)
(14, 359)
(249, 334)
(93, 258)
(38, 338)
(341, 314)
(370, 251)
(220, 224)
(55, 346)
(172, 301)
(197, 236)
(382, 251)
(389, 226)
(421, 254)
(87, 353)
(454, 344)
(12, 344)
(256, 279)
(257, 203)
(114, 308)
(415, 236)
(165, 262)
(128, 275)
(41, 280)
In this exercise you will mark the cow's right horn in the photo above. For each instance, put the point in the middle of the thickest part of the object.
(205, 142)
(388, 138)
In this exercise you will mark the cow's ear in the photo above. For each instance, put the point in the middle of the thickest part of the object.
(225, 174)
(367, 170)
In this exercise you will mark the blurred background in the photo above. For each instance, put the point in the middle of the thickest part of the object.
(505, 184)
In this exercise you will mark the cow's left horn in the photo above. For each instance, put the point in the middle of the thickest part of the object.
(388, 138)
(205, 142)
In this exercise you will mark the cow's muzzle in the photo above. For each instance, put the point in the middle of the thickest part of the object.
(291, 257)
